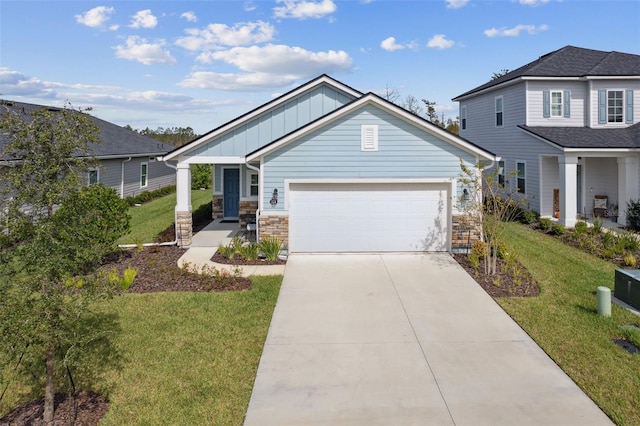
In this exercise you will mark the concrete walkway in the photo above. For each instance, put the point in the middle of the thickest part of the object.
(403, 340)
(205, 243)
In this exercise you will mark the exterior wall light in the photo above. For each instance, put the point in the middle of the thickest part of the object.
(274, 198)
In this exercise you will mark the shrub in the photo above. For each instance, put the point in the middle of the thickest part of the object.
(270, 247)
(629, 241)
(597, 225)
(557, 229)
(201, 176)
(529, 217)
(545, 224)
(249, 251)
(630, 260)
(479, 249)
(580, 228)
(474, 259)
(633, 214)
(608, 240)
(147, 196)
(226, 251)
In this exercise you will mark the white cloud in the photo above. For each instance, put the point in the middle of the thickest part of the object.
(189, 16)
(96, 17)
(249, 6)
(515, 31)
(533, 2)
(439, 41)
(266, 67)
(389, 44)
(143, 19)
(217, 36)
(15, 83)
(138, 49)
(456, 4)
(303, 9)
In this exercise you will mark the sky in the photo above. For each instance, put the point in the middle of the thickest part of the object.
(200, 64)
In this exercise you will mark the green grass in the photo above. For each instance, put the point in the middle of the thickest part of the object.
(190, 358)
(563, 320)
(151, 218)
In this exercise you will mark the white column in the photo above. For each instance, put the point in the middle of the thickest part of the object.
(568, 190)
(183, 188)
(627, 185)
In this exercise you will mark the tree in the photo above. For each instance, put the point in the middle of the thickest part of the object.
(176, 136)
(487, 202)
(411, 104)
(499, 74)
(58, 231)
(391, 94)
(431, 113)
(201, 176)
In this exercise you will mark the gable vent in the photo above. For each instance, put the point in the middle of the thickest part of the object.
(369, 137)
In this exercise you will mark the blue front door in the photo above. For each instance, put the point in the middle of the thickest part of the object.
(231, 180)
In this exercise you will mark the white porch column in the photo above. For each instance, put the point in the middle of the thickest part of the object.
(627, 185)
(568, 190)
(184, 220)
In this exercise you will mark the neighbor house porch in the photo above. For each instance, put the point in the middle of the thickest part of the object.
(582, 184)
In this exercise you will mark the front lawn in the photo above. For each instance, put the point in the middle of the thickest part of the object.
(563, 320)
(150, 219)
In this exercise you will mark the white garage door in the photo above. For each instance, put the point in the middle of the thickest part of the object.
(367, 217)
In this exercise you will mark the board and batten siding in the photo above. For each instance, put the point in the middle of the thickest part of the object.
(578, 93)
(275, 123)
(333, 152)
(509, 142)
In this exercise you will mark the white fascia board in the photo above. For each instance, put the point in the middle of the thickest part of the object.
(600, 152)
(157, 155)
(488, 89)
(387, 106)
(613, 77)
(210, 160)
(256, 112)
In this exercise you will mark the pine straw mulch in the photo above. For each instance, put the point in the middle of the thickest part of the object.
(502, 284)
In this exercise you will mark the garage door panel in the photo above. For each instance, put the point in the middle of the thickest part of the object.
(359, 217)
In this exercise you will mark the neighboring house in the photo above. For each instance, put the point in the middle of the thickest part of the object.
(327, 168)
(128, 160)
(567, 129)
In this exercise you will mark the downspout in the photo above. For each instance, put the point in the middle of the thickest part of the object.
(169, 243)
(122, 176)
(256, 169)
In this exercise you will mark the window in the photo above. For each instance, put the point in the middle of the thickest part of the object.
(369, 137)
(521, 177)
(501, 173)
(615, 106)
(463, 117)
(93, 177)
(144, 170)
(499, 112)
(556, 104)
(253, 191)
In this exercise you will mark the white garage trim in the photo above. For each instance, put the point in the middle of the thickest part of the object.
(369, 215)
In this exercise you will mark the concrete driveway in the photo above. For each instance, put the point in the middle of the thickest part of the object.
(397, 339)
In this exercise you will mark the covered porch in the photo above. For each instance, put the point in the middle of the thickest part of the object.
(583, 184)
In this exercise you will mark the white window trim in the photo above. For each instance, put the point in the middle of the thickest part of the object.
(495, 106)
(523, 178)
(463, 118)
(501, 173)
(93, 169)
(624, 107)
(561, 111)
(251, 173)
(146, 175)
(369, 137)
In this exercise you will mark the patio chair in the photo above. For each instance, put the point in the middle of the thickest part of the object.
(600, 203)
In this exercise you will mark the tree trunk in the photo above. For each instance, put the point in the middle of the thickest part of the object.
(50, 388)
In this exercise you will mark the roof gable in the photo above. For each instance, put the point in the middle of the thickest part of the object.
(391, 108)
(232, 130)
(570, 61)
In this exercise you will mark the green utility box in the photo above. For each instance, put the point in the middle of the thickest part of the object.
(627, 286)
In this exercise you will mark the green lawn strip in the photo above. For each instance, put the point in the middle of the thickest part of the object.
(190, 358)
(564, 322)
(151, 218)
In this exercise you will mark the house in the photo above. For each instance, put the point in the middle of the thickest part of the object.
(566, 127)
(128, 160)
(326, 168)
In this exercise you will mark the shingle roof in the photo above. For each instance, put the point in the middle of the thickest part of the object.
(116, 141)
(571, 61)
(588, 138)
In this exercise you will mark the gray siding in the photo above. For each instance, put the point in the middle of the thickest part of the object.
(578, 101)
(334, 152)
(508, 142)
(158, 175)
(601, 178)
(275, 123)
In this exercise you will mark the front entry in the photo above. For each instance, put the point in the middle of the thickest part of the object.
(231, 189)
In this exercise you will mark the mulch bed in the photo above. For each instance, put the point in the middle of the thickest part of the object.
(84, 409)
(507, 287)
(240, 260)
